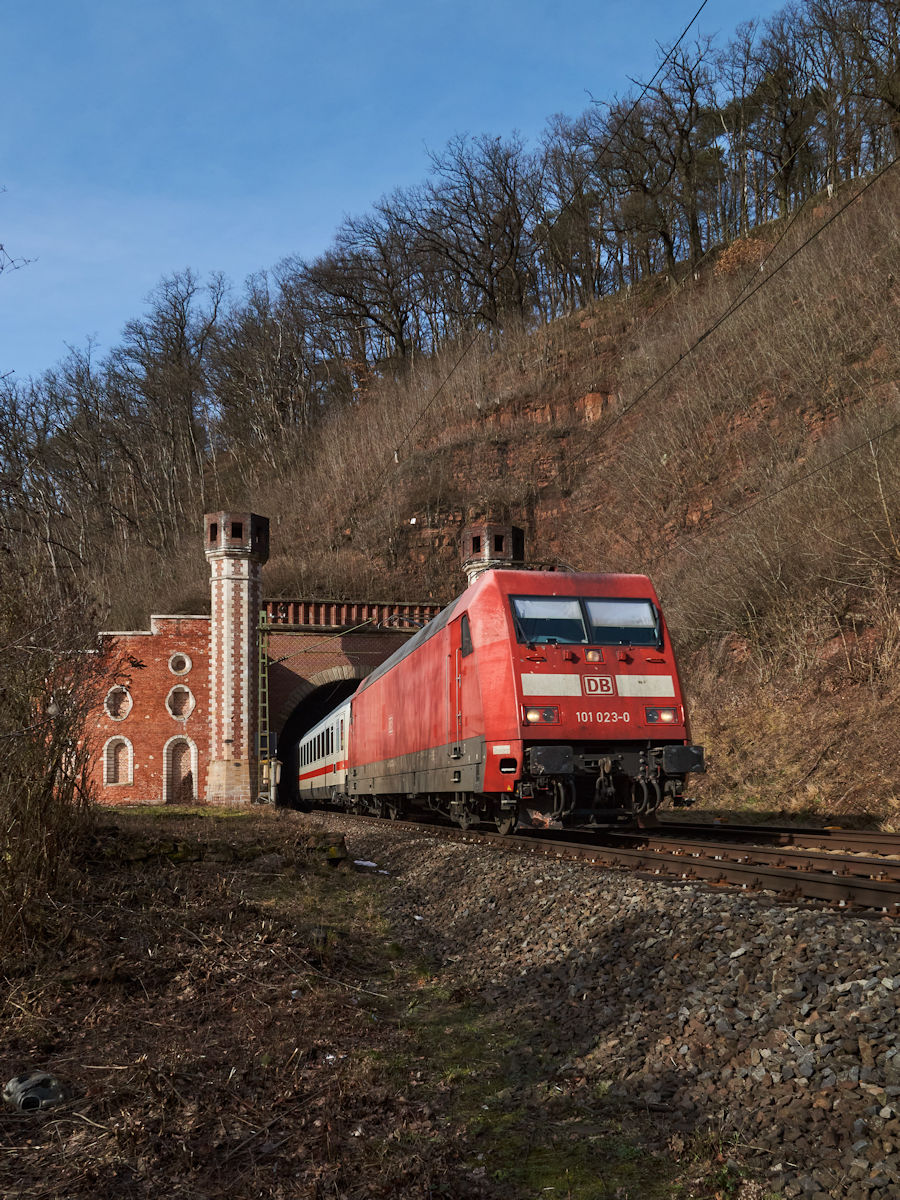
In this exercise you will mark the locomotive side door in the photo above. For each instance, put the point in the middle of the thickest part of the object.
(454, 689)
(463, 690)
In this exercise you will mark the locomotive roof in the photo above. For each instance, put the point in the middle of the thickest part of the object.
(509, 582)
(435, 625)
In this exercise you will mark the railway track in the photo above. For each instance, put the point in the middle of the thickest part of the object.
(851, 840)
(854, 878)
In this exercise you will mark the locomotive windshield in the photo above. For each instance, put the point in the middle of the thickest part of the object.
(548, 619)
(595, 622)
(622, 622)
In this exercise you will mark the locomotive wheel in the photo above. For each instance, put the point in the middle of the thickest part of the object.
(505, 823)
(391, 810)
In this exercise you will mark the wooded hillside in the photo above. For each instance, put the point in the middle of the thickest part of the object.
(663, 339)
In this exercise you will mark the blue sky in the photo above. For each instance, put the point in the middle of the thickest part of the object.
(137, 139)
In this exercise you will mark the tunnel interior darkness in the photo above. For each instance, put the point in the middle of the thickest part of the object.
(310, 710)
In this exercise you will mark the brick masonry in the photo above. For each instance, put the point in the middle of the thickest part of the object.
(176, 719)
(313, 658)
(150, 741)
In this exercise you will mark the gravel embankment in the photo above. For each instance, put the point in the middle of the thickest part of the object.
(772, 1025)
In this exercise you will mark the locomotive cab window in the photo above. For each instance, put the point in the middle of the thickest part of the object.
(548, 619)
(465, 636)
(623, 623)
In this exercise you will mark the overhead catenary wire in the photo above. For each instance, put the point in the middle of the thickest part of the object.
(733, 306)
(395, 454)
(767, 497)
(729, 312)
(786, 227)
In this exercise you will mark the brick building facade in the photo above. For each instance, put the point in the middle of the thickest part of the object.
(150, 731)
(177, 719)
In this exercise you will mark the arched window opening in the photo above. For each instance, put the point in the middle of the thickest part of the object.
(180, 772)
(118, 761)
(180, 702)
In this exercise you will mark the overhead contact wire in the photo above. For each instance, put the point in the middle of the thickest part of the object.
(566, 206)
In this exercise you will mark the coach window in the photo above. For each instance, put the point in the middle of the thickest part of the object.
(465, 636)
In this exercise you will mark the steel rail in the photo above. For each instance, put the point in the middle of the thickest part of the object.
(866, 841)
(872, 867)
(881, 894)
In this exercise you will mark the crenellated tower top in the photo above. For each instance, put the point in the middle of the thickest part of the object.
(237, 533)
(487, 545)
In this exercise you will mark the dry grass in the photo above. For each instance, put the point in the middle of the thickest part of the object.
(46, 683)
(235, 1018)
(216, 1006)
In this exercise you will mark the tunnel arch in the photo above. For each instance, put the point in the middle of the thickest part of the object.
(311, 700)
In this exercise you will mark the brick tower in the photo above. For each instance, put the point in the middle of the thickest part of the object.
(237, 544)
(487, 545)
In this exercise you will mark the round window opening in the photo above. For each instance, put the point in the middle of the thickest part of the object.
(118, 703)
(180, 702)
(179, 664)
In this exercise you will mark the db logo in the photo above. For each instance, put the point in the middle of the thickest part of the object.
(597, 685)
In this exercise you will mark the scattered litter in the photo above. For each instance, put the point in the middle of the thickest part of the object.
(418, 918)
(33, 1090)
(382, 871)
(363, 862)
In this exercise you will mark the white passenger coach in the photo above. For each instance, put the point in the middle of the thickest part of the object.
(322, 757)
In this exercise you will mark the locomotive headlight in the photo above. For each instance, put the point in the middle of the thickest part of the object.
(541, 716)
(593, 656)
(661, 716)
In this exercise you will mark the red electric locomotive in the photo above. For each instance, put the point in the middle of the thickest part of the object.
(536, 699)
